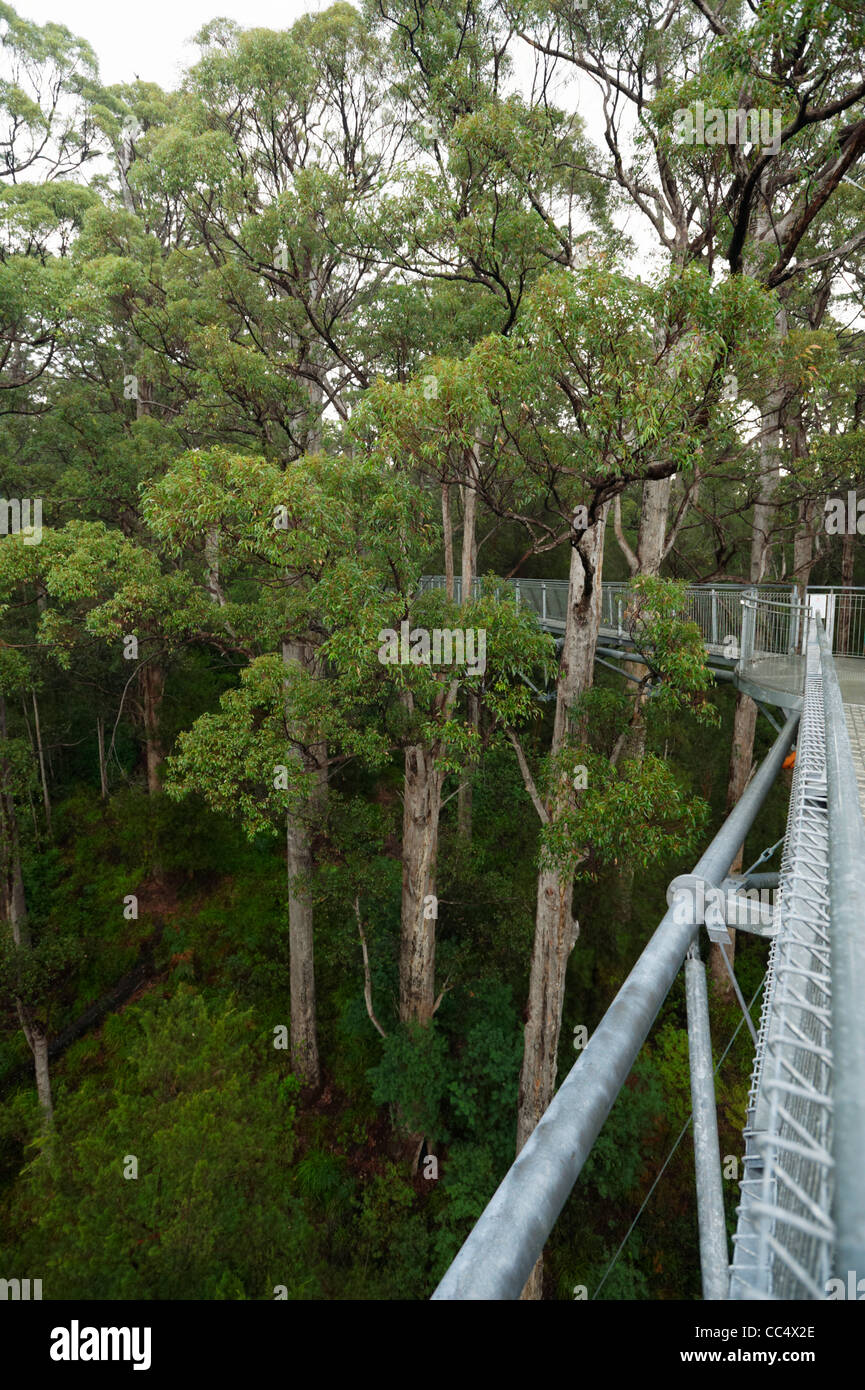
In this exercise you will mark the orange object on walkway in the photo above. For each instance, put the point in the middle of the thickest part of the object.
(790, 760)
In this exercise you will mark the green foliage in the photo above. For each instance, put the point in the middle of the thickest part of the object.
(322, 1178)
(190, 1085)
(393, 1241)
(637, 811)
(486, 1069)
(412, 1078)
(671, 648)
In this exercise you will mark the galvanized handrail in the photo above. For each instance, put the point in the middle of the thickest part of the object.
(773, 603)
(773, 629)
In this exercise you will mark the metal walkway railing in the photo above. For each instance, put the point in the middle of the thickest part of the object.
(716, 609)
(802, 1211)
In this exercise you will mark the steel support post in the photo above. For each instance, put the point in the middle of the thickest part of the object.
(714, 1256)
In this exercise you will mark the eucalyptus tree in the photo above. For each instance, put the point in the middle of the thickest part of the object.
(264, 611)
(716, 197)
(568, 407)
(254, 289)
(574, 404)
(720, 197)
(417, 432)
(683, 89)
(49, 80)
(337, 546)
(580, 408)
(495, 199)
(270, 166)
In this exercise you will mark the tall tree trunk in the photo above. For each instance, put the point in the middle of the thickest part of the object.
(422, 790)
(556, 929)
(652, 533)
(422, 796)
(299, 863)
(37, 1039)
(583, 619)
(765, 507)
(741, 761)
(304, 1036)
(299, 856)
(211, 558)
(103, 770)
(556, 933)
(46, 800)
(448, 530)
(15, 908)
(745, 719)
(470, 510)
(803, 540)
(651, 541)
(152, 686)
(469, 567)
(313, 441)
(803, 549)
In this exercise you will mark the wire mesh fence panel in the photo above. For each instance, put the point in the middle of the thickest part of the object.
(843, 612)
(784, 1242)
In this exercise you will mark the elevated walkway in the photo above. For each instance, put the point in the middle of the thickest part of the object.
(754, 633)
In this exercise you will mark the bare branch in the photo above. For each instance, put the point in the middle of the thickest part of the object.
(633, 562)
(528, 779)
(367, 979)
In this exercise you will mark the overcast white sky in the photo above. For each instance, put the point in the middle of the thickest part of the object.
(152, 38)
